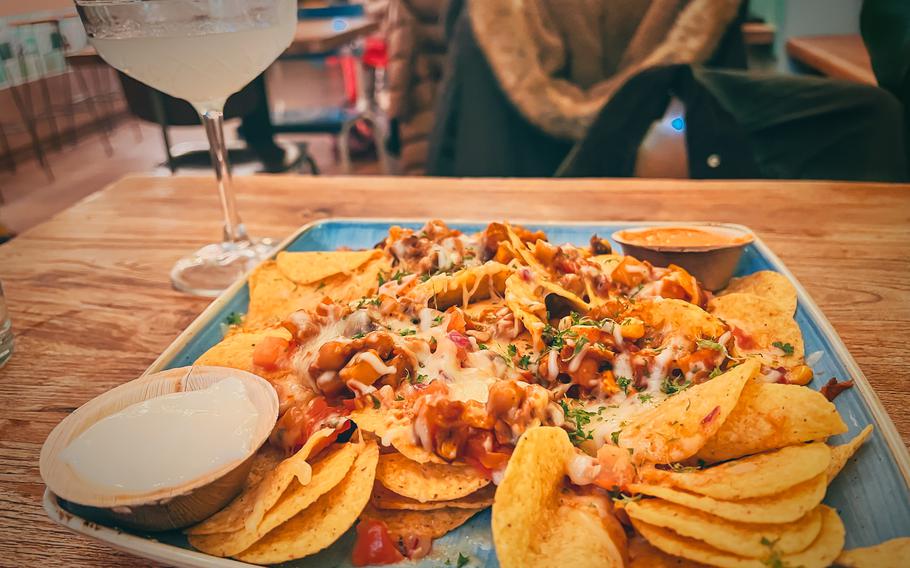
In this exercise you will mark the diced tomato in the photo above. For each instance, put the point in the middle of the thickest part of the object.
(300, 422)
(484, 460)
(270, 352)
(374, 545)
(743, 339)
(416, 546)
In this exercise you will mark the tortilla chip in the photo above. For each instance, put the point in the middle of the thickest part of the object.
(743, 539)
(677, 428)
(393, 428)
(643, 555)
(841, 454)
(820, 553)
(533, 525)
(755, 476)
(236, 351)
(428, 481)
(265, 460)
(770, 416)
(551, 288)
(590, 516)
(679, 317)
(310, 267)
(247, 509)
(327, 473)
(433, 523)
(765, 323)
(768, 284)
(784, 507)
(383, 498)
(323, 522)
(273, 296)
(527, 307)
(889, 554)
(470, 284)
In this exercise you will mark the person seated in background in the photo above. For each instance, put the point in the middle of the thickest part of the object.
(526, 81)
(417, 56)
(885, 26)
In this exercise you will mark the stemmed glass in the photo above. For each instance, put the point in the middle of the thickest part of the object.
(201, 51)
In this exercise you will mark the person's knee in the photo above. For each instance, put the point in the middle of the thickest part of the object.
(880, 105)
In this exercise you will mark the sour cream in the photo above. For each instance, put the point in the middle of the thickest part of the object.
(166, 441)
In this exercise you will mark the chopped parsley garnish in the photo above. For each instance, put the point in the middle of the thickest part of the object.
(399, 398)
(524, 362)
(710, 344)
(462, 561)
(420, 378)
(645, 397)
(407, 331)
(358, 335)
(482, 346)
(580, 418)
(364, 302)
(717, 371)
(233, 318)
(773, 560)
(623, 383)
(620, 497)
(615, 437)
(380, 278)
(399, 274)
(512, 350)
(376, 402)
(437, 320)
(579, 345)
(556, 339)
(673, 385)
(424, 277)
(785, 347)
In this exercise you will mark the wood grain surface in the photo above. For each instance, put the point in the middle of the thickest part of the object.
(92, 307)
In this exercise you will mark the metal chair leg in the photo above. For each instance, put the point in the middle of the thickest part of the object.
(93, 110)
(158, 109)
(26, 115)
(344, 144)
(49, 113)
(378, 140)
(7, 151)
(69, 105)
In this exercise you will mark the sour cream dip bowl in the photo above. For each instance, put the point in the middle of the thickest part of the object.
(161, 452)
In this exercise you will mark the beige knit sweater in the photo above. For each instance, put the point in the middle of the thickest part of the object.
(560, 61)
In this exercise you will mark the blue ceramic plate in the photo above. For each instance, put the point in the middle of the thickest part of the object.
(872, 494)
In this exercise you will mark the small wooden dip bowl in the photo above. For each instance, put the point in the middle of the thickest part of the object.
(712, 264)
(163, 508)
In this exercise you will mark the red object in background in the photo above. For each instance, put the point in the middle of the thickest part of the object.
(376, 53)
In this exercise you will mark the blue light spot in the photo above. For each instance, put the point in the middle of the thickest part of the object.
(678, 124)
(339, 24)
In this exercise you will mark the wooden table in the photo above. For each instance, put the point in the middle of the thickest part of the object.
(92, 306)
(837, 56)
